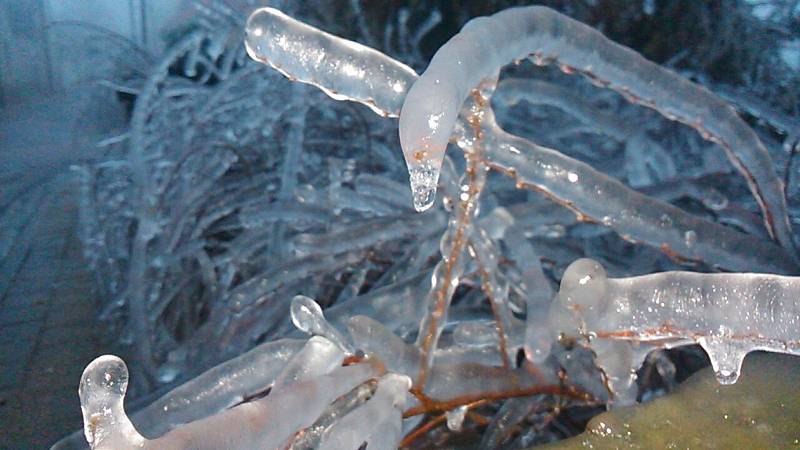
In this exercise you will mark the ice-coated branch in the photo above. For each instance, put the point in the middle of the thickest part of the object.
(595, 196)
(494, 285)
(217, 389)
(634, 216)
(263, 423)
(378, 422)
(729, 315)
(482, 47)
(449, 270)
(343, 69)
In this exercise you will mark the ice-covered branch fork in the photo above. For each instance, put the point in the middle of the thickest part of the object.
(486, 44)
(346, 70)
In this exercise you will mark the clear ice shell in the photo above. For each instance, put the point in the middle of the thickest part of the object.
(726, 357)
(455, 418)
(424, 178)
(307, 316)
(102, 392)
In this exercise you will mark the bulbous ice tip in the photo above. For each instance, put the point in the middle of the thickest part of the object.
(424, 179)
(259, 27)
(726, 355)
(306, 314)
(583, 285)
(104, 379)
(726, 376)
(102, 391)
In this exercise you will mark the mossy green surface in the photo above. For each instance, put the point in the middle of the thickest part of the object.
(760, 411)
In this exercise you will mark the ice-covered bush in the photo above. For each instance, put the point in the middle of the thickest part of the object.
(240, 190)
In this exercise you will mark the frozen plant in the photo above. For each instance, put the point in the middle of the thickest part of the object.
(729, 315)
(451, 303)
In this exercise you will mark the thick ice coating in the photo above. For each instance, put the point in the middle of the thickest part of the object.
(308, 317)
(729, 315)
(486, 44)
(343, 69)
(379, 414)
(102, 391)
(300, 396)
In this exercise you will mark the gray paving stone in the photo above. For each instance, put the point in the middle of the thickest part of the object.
(14, 359)
(10, 315)
(20, 332)
(47, 311)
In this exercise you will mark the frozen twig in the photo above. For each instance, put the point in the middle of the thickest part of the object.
(431, 109)
(729, 315)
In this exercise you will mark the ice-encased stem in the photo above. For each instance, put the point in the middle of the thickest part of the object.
(449, 270)
(729, 315)
(482, 47)
(636, 217)
(265, 423)
(343, 69)
(494, 285)
(362, 424)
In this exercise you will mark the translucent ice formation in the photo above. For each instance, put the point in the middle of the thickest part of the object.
(729, 315)
(264, 201)
(345, 70)
(307, 316)
(378, 422)
(303, 396)
(591, 194)
(482, 47)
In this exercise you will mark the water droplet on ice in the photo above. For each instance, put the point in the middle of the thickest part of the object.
(455, 418)
(423, 179)
(690, 237)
